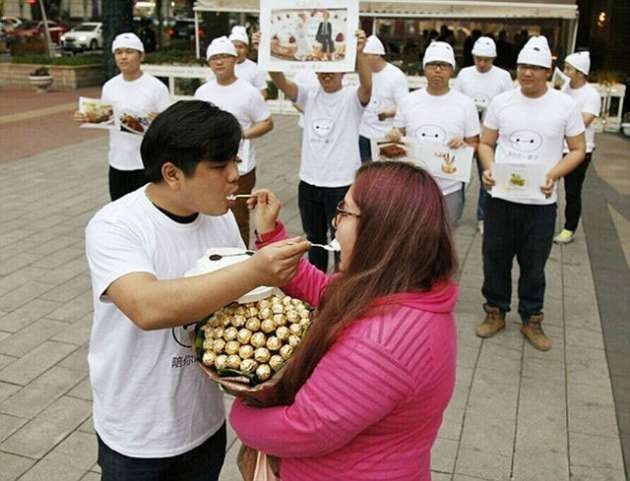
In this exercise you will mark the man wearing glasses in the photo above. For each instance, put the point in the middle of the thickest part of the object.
(525, 126)
(439, 114)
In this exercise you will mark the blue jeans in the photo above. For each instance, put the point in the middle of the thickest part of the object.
(318, 206)
(521, 230)
(365, 149)
(483, 195)
(202, 463)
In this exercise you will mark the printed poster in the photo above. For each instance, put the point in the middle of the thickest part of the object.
(518, 181)
(100, 114)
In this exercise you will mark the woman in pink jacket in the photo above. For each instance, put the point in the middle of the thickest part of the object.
(364, 396)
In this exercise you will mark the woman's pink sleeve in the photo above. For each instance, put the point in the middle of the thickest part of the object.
(309, 282)
(356, 384)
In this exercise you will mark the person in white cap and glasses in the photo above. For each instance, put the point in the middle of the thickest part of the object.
(244, 101)
(576, 67)
(245, 68)
(441, 115)
(482, 82)
(136, 93)
(525, 126)
(389, 87)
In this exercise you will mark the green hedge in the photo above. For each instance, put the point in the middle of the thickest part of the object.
(186, 57)
(70, 60)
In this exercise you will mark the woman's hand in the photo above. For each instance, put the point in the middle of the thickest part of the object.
(266, 209)
(80, 117)
(277, 263)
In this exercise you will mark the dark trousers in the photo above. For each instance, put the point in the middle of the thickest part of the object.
(521, 230)
(483, 195)
(365, 149)
(318, 206)
(573, 194)
(121, 182)
(246, 184)
(200, 464)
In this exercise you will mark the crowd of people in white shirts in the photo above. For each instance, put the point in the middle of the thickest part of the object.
(148, 234)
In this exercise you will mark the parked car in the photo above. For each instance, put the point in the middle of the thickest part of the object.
(30, 29)
(86, 36)
(12, 22)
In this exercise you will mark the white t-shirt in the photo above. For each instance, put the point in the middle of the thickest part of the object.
(150, 398)
(248, 70)
(588, 100)
(307, 79)
(246, 104)
(438, 118)
(389, 87)
(483, 87)
(330, 145)
(532, 131)
(142, 96)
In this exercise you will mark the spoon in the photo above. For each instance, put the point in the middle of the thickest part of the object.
(238, 196)
(218, 257)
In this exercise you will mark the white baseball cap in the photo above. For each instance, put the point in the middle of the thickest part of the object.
(580, 61)
(220, 45)
(127, 40)
(374, 46)
(535, 52)
(439, 52)
(484, 47)
(239, 34)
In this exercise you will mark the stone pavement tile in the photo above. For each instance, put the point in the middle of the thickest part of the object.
(74, 309)
(10, 424)
(452, 423)
(591, 410)
(435, 476)
(77, 333)
(467, 355)
(539, 368)
(79, 450)
(462, 477)
(462, 387)
(77, 360)
(87, 426)
(90, 476)
(52, 470)
(443, 455)
(230, 471)
(48, 428)
(69, 289)
(595, 451)
(3, 334)
(62, 256)
(487, 433)
(41, 393)
(53, 245)
(13, 466)
(7, 390)
(585, 473)
(27, 314)
(5, 360)
(488, 466)
(39, 360)
(83, 390)
(540, 465)
(63, 273)
(587, 366)
(504, 360)
(591, 338)
(22, 295)
(19, 278)
(24, 341)
(15, 262)
(494, 393)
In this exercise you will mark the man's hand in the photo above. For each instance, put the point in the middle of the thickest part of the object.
(277, 263)
(456, 143)
(80, 117)
(547, 189)
(394, 135)
(488, 181)
(152, 115)
(255, 40)
(266, 209)
(361, 40)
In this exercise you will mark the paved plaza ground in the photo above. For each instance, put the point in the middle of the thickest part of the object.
(517, 414)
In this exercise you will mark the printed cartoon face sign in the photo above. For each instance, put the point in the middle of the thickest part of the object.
(431, 133)
(525, 141)
(323, 127)
(481, 100)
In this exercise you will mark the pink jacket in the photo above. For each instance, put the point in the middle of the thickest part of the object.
(372, 408)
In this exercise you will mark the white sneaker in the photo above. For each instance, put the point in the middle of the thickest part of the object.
(480, 226)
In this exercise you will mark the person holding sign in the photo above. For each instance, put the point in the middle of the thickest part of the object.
(330, 151)
(439, 114)
(482, 82)
(525, 128)
(244, 101)
(140, 93)
(576, 67)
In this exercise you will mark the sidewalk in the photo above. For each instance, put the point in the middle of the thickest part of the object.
(517, 414)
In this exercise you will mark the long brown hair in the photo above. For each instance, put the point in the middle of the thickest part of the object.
(403, 244)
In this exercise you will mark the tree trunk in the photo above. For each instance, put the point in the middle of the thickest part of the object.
(160, 27)
(117, 18)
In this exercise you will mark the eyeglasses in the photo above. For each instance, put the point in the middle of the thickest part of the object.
(340, 213)
(437, 65)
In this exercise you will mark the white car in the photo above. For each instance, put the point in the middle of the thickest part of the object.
(86, 36)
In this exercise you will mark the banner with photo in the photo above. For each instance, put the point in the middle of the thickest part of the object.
(100, 115)
(518, 181)
(444, 162)
(318, 35)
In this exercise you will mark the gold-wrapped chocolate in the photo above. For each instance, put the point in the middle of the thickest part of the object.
(292, 315)
(253, 324)
(297, 302)
(238, 321)
(221, 362)
(263, 372)
(248, 365)
(265, 313)
(251, 312)
(294, 340)
(233, 361)
(263, 304)
(273, 343)
(276, 362)
(304, 314)
(267, 326)
(208, 358)
(239, 311)
(218, 332)
(305, 322)
(277, 308)
(286, 351)
(218, 346)
(280, 319)
(246, 351)
(208, 342)
(295, 329)
(262, 354)
(232, 347)
(244, 335)
(286, 300)
(230, 333)
(283, 333)
(258, 339)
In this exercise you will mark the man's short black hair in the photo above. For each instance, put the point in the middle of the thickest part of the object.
(186, 133)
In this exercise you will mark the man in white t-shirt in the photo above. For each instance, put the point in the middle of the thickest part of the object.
(156, 415)
(241, 99)
(389, 87)
(134, 93)
(245, 68)
(441, 115)
(330, 151)
(576, 67)
(525, 126)
(482, 82)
